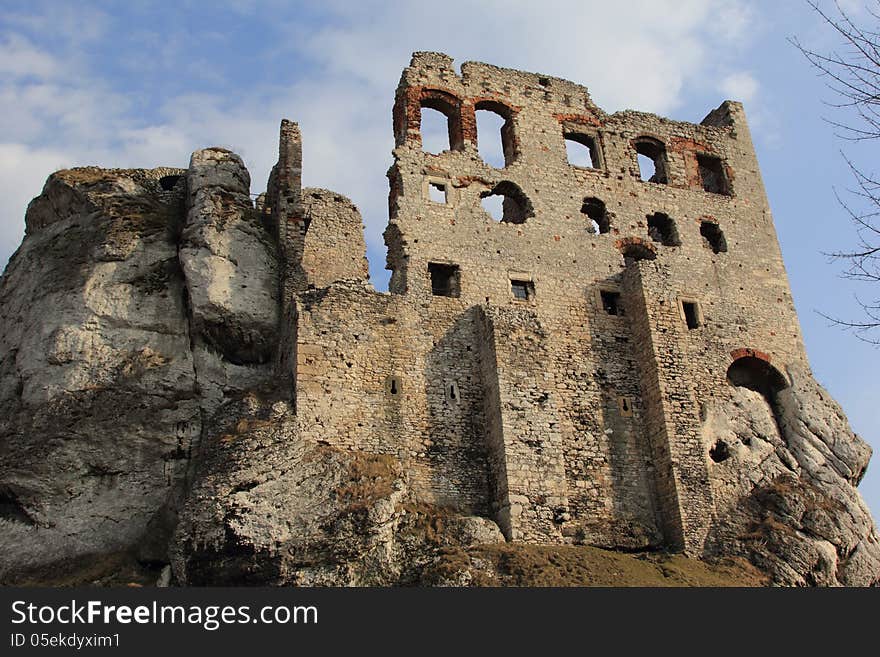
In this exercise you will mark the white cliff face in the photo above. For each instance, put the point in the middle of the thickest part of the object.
(229, 262)
(110, 354)
(98, 391)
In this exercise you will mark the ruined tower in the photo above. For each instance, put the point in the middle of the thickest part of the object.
(548, 369)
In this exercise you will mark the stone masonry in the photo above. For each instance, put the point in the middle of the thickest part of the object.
(549, 369)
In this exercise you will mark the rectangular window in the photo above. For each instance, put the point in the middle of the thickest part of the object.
(712, 174)
(522, 290)
(691, 311)
(437, 192)
(444, 279)
(611, 302)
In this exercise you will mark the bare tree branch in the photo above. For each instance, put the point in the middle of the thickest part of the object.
(853, 75)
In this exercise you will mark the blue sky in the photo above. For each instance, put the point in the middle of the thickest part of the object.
(143, 84)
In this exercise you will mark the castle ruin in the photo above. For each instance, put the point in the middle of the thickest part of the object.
(212, 385)
(550, 369)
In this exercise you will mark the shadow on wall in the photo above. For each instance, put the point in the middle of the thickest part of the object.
(457, 449)
(618, 427)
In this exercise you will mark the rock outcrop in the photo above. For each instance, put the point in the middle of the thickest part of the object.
(137, 300)
(785, 484)
(273, 507)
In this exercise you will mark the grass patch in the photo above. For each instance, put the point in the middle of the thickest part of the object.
(371, 478)
(577, 565)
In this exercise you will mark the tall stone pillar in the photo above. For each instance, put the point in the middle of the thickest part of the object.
(671, 410)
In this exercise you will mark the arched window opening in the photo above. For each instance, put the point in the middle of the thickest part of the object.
(167, 183)
(635, 251)
(435, 131)
(597, 215)
(489, 141)
(582, 150)
(713, 237)
(652, 160)
(440, 121)
(661, 229)
(758, 375)
(515, 206)
(494, 118)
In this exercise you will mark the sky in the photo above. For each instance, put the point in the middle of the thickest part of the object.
(143, 84)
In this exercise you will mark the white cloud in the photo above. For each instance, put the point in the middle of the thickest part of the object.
(634, 54)
(20, 58)
(638, 54)
(740, 86)
(23, 171)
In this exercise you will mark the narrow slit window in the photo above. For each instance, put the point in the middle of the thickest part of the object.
(437, 192)
(625, 406)
(445, 279)
(691, 311)
(452, 392)
(393, 386)
(522, 290)
(611, 302)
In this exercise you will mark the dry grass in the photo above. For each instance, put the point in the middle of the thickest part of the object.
(569, 565)
(370, 478)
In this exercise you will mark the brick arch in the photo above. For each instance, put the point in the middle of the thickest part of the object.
(753, 369)
(408, 114)
(636, 248)
(745, 352)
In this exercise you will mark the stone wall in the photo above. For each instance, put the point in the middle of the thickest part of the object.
(585, 384)
(376, 373)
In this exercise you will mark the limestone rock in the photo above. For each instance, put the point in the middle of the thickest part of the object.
(229, 261)
(272, 507)
(138, 299)
(100, 408)
(785, 491)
